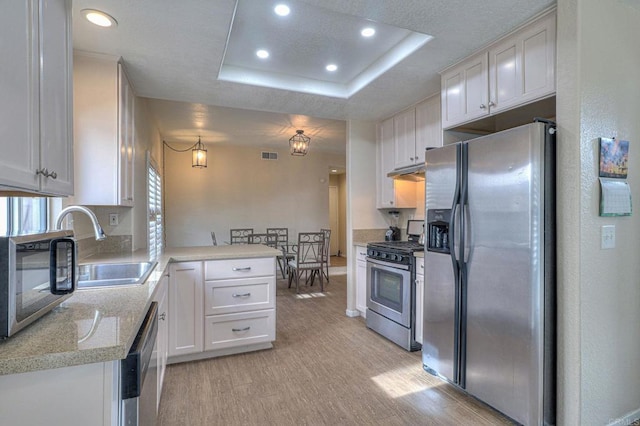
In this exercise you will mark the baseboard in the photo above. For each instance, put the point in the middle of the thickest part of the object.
(219, 352)
(626, 420)
(352, 313)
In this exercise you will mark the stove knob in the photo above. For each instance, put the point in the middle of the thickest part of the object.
(398, 257)
(384, 255)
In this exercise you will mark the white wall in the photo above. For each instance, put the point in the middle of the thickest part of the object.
(238, 189)
(598, 291)
(361, 193)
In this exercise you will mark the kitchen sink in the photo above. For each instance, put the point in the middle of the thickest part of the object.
(95, 275)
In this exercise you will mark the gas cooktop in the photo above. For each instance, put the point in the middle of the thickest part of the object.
(398, 245)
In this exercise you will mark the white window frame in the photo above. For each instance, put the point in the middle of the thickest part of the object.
(155, 223)
(18, 217)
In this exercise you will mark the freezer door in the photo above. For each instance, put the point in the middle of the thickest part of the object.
(439, 347)
(505, 269)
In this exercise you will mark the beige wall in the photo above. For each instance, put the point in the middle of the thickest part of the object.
(598, 293)
(342, 185)
(238, 189)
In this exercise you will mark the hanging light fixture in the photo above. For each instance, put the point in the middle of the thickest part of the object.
(198, 153)
(299, 143)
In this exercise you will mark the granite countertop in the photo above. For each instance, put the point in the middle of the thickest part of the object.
(99, 325)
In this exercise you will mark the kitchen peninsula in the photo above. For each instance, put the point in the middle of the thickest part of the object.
(74, 352)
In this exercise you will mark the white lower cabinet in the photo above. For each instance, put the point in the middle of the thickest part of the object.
(419, 297)
(220, 307)
(361, 280)
(185, 308)
(81, 395)
(244, 328)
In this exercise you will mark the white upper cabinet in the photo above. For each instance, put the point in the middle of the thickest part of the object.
(465, 91)
(35, 106)
(428, 127)
(414, 130)
(391, 193)
(404, 132)
(522, 66)
(385, 164)
(104, 131)
(514, 71)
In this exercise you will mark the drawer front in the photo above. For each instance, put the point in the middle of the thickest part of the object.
(246, 328)
(239, 268)
(228, 296)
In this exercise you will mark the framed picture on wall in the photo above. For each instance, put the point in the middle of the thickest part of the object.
(614, 157)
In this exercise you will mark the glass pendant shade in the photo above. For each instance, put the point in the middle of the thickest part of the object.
(199, 155)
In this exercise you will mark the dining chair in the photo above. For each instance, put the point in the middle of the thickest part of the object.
(270, 240)
(325, 252)
(284, 246)
(213, 238)
(240, 235)
(308, 258)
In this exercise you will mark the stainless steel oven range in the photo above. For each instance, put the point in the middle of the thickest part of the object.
(391, 291)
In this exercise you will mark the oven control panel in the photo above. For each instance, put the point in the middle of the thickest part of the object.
(402, 258)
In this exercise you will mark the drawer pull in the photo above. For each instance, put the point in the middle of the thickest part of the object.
(246, 269)
(241, 295)
(241, 329)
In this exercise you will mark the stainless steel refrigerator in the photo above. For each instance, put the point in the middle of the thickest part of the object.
(489, 295)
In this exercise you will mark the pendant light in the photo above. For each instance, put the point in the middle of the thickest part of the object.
(299, 143)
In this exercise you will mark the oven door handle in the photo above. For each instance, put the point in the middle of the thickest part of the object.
(388, 264)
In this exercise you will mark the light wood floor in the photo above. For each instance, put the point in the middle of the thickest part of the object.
(324, 369)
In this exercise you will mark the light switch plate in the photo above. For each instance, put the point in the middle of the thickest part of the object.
(608, 237)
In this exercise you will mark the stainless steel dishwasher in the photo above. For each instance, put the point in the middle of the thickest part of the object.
(139, 376)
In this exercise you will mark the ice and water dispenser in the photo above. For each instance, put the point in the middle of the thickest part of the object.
(438, 230)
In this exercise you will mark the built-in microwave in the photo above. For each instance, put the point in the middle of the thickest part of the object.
(37, 273)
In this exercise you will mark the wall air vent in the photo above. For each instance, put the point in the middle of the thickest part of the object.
(269, 155)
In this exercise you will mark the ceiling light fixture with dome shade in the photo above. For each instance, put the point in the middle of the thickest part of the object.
(299, 143)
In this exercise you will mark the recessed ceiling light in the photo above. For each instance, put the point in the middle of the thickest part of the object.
(282, 10)
(262, 54)
(367, 32)
(332, 67)
(334, 171)
(99, 18)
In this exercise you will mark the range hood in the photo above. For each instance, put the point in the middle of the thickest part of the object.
(413, 173)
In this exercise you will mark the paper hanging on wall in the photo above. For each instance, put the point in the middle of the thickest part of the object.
(614, 158)
(615, 197)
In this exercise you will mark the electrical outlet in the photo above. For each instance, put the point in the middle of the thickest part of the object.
(608, 237)
(113, 219)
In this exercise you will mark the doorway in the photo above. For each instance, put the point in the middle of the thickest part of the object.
(338, 211)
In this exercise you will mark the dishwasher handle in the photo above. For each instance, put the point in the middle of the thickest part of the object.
(133, 368)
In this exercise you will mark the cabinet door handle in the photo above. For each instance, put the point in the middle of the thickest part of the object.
(245, 269)
(241, 329)
(483, 106)
(390, 202)
(241, 295)
(492, 104)
(46, 173)
(162, 316)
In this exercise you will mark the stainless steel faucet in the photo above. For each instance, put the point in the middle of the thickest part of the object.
(97, 229)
